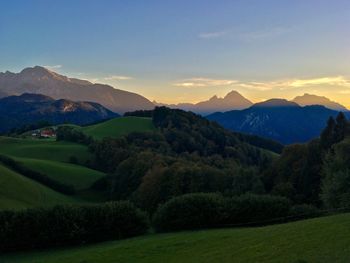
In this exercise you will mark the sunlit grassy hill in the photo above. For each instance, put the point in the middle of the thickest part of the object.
(118, 127)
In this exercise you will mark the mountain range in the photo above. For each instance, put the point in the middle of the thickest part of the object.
(40, 80)
(277, 119)
(232, 100)
(17, 111)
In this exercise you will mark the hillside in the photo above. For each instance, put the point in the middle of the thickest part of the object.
(18, 192)
(71, 174)
(119, 127)
(43, 81)
(316, 240)
(17, 111)
(280, 120)
(51, 159)
(44, 149)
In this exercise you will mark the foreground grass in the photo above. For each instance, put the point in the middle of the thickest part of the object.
(17, 192)
(316, 240)
(118, 127)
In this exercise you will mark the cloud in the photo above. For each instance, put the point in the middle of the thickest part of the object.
(204, 82)
(284, 84)
(263, 34)
(244, 35)
(296, 83)
(344, 91)
(334, 81)
(53, 67)
(117, 77)
(209, 35)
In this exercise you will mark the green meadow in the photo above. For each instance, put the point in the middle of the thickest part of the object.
(118, 127)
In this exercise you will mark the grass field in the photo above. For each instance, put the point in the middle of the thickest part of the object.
(79, 176)
(43, 149)
(118, 127)
(17, 191)
(315, 240)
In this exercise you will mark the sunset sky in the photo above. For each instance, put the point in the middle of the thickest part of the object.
(186, 50)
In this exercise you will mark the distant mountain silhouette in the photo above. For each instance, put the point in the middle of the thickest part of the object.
(275, 103)
(309, 99)
(3, 94)
(16, 111)
(232, 101)
(277, 119)
(40, 80)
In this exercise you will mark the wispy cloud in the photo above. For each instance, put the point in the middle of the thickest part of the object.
(117, 77)
(284, 84)
(217, 34)
(264, 33)
(204, 82)
(245, 35)
(334, 81)
(53, 67)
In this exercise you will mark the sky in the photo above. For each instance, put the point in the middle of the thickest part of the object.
(186, 50)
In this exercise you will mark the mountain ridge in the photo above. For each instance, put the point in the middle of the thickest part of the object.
(40, 80)
(16, 111)
(311, 99)
(286, 123)
(232, 100)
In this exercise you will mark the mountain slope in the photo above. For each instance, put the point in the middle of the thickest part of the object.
(16, 111)
(43, 81)
(232, 101)
(309, 99)
(280, 120)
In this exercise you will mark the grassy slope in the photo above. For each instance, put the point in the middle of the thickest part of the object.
(316, 240)
(50, 157)
(17, 191)
(78, 176)
(118, 127)
(43, 149)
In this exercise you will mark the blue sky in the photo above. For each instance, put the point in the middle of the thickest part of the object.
(186, 50)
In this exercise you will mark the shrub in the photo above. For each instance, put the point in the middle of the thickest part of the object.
(190, 211)
(67, 225)
(195, 211)
(304, 211)
(71, 134)
(255, 209)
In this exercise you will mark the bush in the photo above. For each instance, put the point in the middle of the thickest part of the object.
(195, 211)
(67, 225)
(255, 209)
(190, 211)
(304, 211)
(71, 134)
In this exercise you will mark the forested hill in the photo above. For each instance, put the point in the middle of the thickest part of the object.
(195, 125)
(186, 153)
(317, 172)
